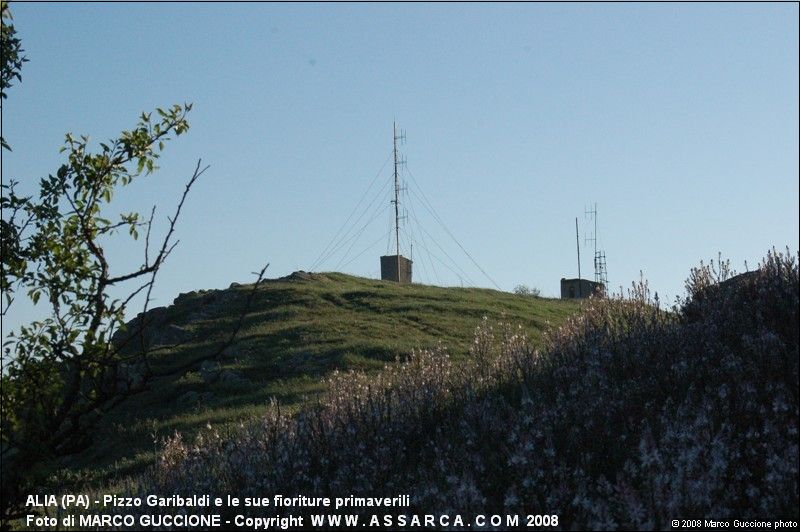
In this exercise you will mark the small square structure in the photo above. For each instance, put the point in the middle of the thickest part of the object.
(580, 288)
(395, 268)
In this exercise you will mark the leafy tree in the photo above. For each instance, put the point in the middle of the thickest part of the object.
(62, 372)
(12, 58)
(55, 253)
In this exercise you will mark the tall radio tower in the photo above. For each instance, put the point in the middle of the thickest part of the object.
(396, 267)
(397, 163)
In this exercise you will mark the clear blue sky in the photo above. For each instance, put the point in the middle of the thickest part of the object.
(680, 121)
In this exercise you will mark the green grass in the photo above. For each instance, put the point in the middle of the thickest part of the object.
(297, 330)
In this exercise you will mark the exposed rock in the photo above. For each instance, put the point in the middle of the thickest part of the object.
(299, 359)
(238, 351)
(192, 397)
(191, 377)
(209, 371)
(210, 304)
(153, 320)
(154, 315)
(189, 398)
(209, 298)
(229, 376)
(169, 335)
(131, 376)
(201, 314)
(299, 275)
(209, 365)
(231, 352)
(184, 296)
(121, 378)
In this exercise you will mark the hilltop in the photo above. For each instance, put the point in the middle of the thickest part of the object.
(296, 330)
(623, 418)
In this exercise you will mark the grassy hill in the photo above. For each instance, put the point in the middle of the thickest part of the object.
(625, 417)
(297, 329)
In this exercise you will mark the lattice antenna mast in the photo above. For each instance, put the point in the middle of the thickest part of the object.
(578, 244)
(397, 163)
(396, 195)
(591, 213)
(600, 272)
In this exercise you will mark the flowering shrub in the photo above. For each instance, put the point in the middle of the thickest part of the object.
(629, 416)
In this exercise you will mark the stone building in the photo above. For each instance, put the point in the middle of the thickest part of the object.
(580, 288)
(395, 268)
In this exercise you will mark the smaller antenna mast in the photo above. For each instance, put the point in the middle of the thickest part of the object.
(600, 270)
(578, 243)
(591, 213)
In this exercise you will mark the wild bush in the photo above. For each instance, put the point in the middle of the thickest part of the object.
(629, 416)
(525, 290)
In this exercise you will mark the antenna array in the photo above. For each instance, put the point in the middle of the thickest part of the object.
(600, 270)
(399, 161)
(349, 233)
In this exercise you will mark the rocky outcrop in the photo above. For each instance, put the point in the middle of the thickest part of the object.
(131, 376)
(165, 326)
(192, 398)
(210, 371)
(233, 378)
(170, 335)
